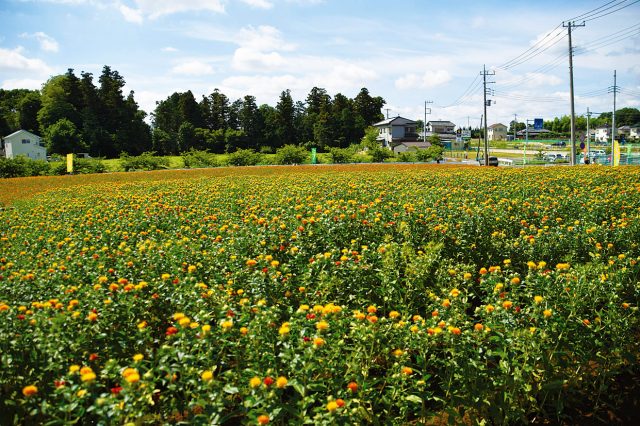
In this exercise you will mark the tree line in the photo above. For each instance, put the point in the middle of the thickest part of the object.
(73, 115)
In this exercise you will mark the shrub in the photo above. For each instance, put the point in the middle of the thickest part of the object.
(80, 166)
(198, 159)
(291, 154)
(144, 161)
(22, 166)
(406, 157)
(379, 154)
(244, 157)
(341, 155)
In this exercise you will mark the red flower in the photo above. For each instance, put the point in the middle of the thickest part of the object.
(116, 390)
(171, 330)
(93, 357)
(21, 317)
(311, 316)
(268, 381)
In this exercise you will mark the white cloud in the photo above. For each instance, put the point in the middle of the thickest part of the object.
(259, 4)
(193, 68)
(263, 38)
(131, 15)
(169, 49)
(14, 60)
(246, 59)
(425, 81)
(47, 43)
(22, 83)
(156, 8)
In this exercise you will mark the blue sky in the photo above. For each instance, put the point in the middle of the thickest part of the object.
(407, 51)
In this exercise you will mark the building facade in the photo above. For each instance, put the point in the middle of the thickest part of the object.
(26, 144)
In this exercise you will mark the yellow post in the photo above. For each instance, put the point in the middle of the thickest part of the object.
(616, 154)
(69, 163)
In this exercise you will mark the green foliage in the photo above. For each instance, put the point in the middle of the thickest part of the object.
(406, 157)
(379, 154)
(291, 154)
(62, 137)
(434, 139)
(80, 166)
(369, 141)
(244, 157)
(22, 166)
(341, 155)
(198, 159)
(144, 161)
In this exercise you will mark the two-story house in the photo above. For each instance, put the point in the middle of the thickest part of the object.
(26, 144)
(440, 127)
(497, 132)
(393, 131)
(603, 134)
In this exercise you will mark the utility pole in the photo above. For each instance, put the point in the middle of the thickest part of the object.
(515, 126)
(570, 25)
(387, 109)
(424, 127)
(613, 89)
(588, 156)
(484, 74)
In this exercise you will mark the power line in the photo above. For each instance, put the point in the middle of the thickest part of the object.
(591, 11)
(613, 11)
(536, 47)
(467, 93)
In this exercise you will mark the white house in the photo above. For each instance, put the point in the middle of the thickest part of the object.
(440, 127)
(392, 131)
(497, 132)
(26, 144)
(603, 134)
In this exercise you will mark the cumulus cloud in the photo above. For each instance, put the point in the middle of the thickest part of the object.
(47, 43)
(22, 83)
(131, 15)
(14, 60)
(259, 4)
(425, 81)
(153, 9)
(193, 68)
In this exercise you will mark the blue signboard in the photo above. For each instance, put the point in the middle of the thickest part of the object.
(537, 123)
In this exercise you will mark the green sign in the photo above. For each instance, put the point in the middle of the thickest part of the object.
(314, 160)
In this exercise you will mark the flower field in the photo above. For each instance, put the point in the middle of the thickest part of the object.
(321, 295)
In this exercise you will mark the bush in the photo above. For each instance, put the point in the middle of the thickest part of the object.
(81, 166)
(291, 154)
(144, 161)
(378, 154)
(22, 166)
(197, 159)
(341, 155)
(244, 157)
(406, 157)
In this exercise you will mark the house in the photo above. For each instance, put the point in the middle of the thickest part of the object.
(497, 132)
(393, 131)
(532, 133)
(26, 144)
(440, 127)
(410, 146)
(603, 134)
(629, 132)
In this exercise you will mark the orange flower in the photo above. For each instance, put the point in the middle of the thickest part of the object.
(507, 304)
(29, 390)
(407, 370)
(478, 327)
(263, 419)
(353, 387)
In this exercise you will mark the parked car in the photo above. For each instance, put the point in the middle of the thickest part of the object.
(493, 161)
(559, 143)
(554, 157)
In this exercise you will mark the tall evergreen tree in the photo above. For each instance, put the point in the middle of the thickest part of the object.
(285, 119)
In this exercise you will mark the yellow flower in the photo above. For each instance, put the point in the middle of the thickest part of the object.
(372, 309)
(507, 304)
(255, 382)
(398, 353)
(207, 375)
(455, 292)
(133, 377)
(489, 308)
(281, 382)
(138, 357)
(332, 406)
(74, 369)
(407, 370)
(206, 328)
(322, 326)
(227, 324)
(284, 329)
(142, 325)
(538, 299)
(318, 341)
(467, 276)
(88, 377)
(547, 313)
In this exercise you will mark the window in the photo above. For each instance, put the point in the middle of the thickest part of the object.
(25, 141)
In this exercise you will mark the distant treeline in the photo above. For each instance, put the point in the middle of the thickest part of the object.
(74, 115)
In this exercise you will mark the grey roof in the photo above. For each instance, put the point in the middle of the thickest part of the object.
(448, 123)
(19, 131)
(493, 126)
(399, 121)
